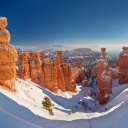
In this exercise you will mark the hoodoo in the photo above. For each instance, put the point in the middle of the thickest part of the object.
(52, 74)
(8, 56)
(122, 63)
(104, 79)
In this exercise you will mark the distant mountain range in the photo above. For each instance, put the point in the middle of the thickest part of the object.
(113, 52)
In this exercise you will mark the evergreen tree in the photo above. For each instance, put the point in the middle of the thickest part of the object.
(47, 103)
(51, 112)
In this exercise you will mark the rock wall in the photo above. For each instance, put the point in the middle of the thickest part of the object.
(70, 83)
(8, 56)
(60, 73)
(53, 74)
(49, 76)
(24, 65)
(122, 64)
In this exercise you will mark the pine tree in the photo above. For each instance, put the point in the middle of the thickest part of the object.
(47, 103)
(51, 112)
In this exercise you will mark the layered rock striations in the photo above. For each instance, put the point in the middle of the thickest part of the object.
(104, 79)
(122, 65)
(24, 65)
(8, 56)
(52, 74)
(60, 74)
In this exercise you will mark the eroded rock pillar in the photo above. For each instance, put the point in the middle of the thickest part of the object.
(8, 56)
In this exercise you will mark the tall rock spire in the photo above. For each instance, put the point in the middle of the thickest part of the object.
(8, 56)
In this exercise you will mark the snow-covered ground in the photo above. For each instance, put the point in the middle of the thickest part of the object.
(23, 108)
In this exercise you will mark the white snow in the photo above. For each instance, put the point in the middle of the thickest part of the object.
(23, 108)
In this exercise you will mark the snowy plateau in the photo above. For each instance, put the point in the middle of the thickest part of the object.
(23, 108)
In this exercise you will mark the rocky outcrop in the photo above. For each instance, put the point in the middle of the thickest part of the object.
(94, 72)
(36, 61)
(104, 79)
(122, 65)
(60, 73)
(70, 84)
(8, 56)
(52, 74)
(49, 76)
(24, 65)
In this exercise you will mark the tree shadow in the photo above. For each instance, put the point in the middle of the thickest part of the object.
(14, 115)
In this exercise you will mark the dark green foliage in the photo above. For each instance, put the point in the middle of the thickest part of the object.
(88, 69)
(47, 103)
(51, 112)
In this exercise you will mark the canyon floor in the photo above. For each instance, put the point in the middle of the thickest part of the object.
(23, 108)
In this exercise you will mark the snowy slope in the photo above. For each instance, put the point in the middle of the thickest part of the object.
(23, 109)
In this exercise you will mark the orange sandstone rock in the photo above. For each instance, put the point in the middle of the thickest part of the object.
(52, 74)
(104, 79)
(122, 63)
(70, 83)
(3, 22)
(60, 74)
(49, 76)
(8, 56)
(23, 64)
(4, 36)
(36, 61)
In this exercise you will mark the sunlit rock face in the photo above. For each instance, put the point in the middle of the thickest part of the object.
(52, 74)
(104, 79)
(122, 64)
(49, 76)
(24, 66)
(60, 73)
(70, 84)
(36, 61)
(8, 56)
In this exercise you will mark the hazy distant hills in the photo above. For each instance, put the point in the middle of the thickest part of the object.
(45, 47)
(83, 50)
(80, 51)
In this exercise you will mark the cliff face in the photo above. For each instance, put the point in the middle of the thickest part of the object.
(23, 64)
(8, 56)
(53, 74)
(60, 74)
(122, 63)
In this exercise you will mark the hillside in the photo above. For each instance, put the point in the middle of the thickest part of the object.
(24, 109)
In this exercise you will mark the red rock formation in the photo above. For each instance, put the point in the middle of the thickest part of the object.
(122, 63)
(36, 61)
(70, 75)
(8, 56)
(81, 75)
(52, 74)
(85, 81)
(104, 79)
(49, 76)
(60, 74)
(94, 72)
(23, 64)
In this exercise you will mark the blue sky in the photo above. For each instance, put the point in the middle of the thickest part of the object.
(82, 23)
